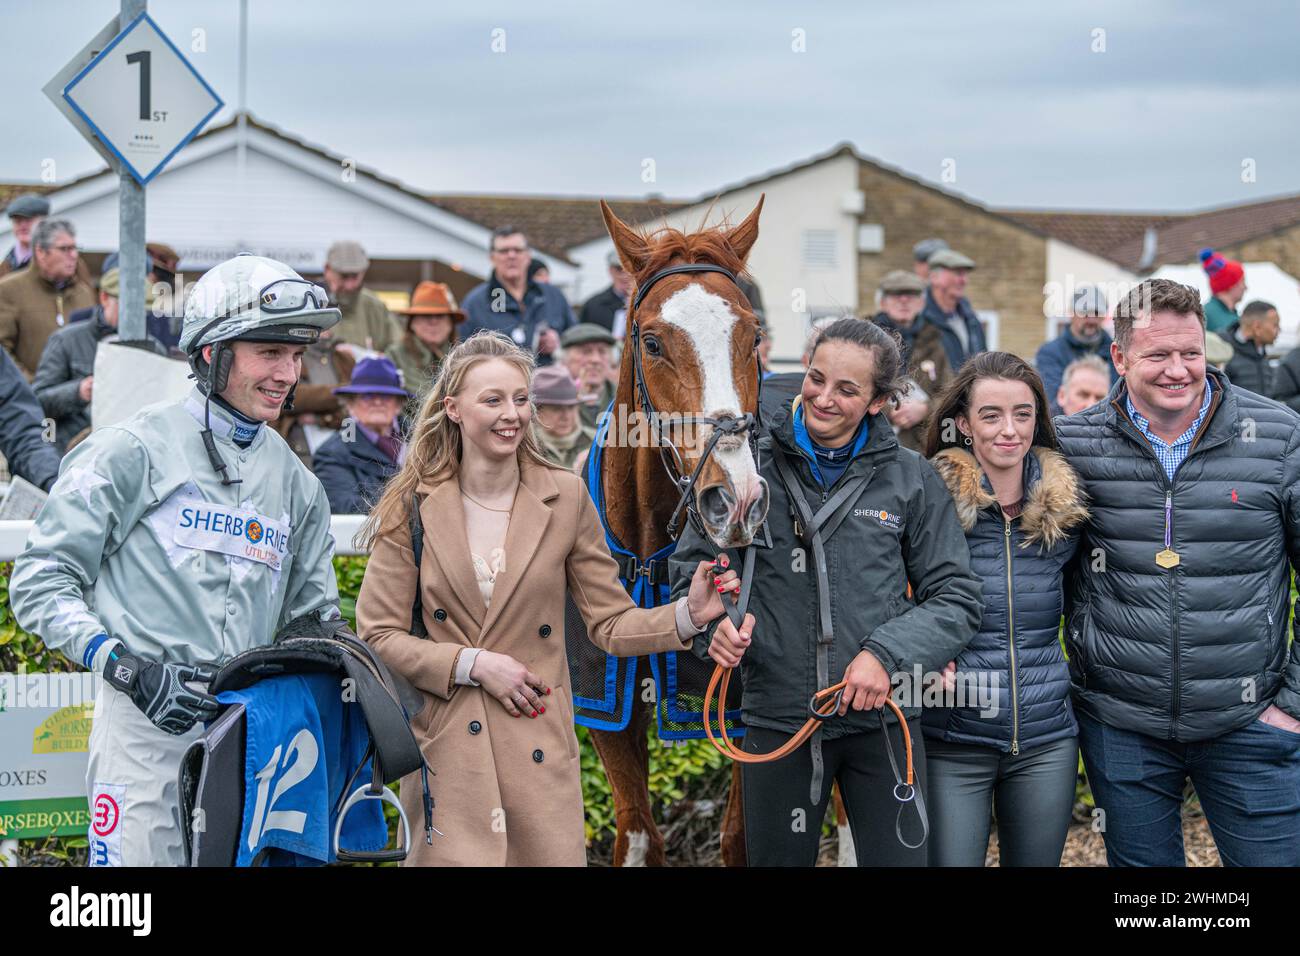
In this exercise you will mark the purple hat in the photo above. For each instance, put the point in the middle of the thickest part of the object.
(375, 375)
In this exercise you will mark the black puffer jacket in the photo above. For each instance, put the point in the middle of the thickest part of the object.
(1286, 381)
(1017, 649)
(1249, 367)
(901, 528)
(1197, 650)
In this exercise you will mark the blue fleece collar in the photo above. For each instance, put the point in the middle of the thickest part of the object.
(811, 448)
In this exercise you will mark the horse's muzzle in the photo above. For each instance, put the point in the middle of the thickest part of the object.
(732, 518)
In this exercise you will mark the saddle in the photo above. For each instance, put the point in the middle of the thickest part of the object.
(211, 774)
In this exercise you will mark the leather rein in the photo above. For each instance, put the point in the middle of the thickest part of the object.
(824, 703)
(729, 425)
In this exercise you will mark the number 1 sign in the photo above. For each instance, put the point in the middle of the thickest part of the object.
(142, 98)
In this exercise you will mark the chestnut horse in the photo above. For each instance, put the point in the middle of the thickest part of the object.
(698, 342)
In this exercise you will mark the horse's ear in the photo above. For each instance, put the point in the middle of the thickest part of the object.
(743, 237)
(632, 249)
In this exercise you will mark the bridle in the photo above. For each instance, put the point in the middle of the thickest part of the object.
(824, 703)
(676, 466)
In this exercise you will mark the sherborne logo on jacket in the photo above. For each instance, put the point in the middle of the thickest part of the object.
(229, 530)
(888, 519)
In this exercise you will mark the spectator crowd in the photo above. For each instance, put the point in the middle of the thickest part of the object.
(361, 383)
(1127, 417)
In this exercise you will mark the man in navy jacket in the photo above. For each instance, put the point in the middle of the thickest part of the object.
(532, 313)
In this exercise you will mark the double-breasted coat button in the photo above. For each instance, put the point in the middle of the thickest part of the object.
(440, 615)
(475, 726)
(544, 630)
(538, 756)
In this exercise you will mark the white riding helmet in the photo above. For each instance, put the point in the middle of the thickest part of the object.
(254, 299)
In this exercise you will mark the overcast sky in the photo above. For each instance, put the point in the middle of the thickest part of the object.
(1011, 97)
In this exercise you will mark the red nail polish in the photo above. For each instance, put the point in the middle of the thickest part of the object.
(548, 690)
(543, 710)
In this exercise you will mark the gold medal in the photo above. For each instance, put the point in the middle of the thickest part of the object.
(1167, 558)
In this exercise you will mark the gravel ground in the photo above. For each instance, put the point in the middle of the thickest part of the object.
(692, 839)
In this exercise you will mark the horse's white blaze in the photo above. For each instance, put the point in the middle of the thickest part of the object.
(708, 320)
(638, 845)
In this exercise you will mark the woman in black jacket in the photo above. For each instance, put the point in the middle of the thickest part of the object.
(1005, 740)
(891, 523)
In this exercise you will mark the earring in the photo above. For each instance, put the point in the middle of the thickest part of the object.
(966, 440)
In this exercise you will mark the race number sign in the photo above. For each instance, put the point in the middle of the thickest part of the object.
(141, 98)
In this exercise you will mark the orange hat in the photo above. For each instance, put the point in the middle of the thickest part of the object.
(432, 298)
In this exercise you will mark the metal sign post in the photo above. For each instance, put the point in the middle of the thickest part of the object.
(132, 259)
(138, 101)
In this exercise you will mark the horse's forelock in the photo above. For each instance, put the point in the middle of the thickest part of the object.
(672, 246)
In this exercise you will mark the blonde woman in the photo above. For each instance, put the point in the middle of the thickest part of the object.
(505, 534)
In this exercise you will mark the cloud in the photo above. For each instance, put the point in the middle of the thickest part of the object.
(583, 92)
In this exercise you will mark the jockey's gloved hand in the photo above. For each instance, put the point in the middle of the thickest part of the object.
(158, 689)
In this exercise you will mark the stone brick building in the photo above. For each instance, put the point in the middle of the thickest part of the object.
(833, 224)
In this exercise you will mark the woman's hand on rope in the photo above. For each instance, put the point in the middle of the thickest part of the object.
(728, 644)
(704, 600)
(518, 688)
(866, 684)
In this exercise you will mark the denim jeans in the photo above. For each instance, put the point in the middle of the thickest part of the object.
(1248, 781)
(1032, 794)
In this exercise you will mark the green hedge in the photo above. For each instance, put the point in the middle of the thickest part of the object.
(683, 775)
(689, 778)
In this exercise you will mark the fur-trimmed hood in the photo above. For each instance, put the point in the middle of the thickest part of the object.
(1055, 503)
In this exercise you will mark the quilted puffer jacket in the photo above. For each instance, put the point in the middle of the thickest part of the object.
(1015, 660)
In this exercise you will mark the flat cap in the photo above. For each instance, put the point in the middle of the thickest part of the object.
(162, 254)
(900, 282)
(110, 284)
(1089, 300)
(28, 205)
(924, 249)
(585, 332)
(950, 259)
(347, 256)
(553, 386)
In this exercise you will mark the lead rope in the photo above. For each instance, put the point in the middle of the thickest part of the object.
(821, 706)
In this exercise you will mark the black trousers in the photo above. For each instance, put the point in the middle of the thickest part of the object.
(783, 829)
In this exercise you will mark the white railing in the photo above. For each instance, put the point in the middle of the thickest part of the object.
(13, 535)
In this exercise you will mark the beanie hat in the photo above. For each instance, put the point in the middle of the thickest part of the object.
(1223, 273)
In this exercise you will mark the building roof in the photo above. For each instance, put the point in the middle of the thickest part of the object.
(1100, 233)
(1182, 239)
(9, 190)
(551, 223)
(1179, 236)
(555, 225)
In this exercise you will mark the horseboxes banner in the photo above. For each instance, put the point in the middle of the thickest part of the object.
(44, 731)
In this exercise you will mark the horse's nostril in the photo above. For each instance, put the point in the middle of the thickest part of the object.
(716, 504)
(757, 510)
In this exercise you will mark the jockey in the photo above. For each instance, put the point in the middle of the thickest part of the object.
(178, 538)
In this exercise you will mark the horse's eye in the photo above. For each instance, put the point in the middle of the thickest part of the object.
(758, 340)
(652, 346)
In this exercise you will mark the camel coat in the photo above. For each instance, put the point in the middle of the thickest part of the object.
(506, 789)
